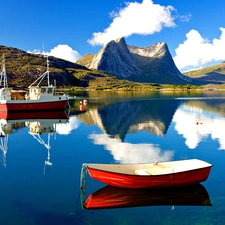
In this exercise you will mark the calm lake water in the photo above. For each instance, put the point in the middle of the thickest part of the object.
(41, 159)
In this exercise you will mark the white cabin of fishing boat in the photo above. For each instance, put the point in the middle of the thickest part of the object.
(35, 92)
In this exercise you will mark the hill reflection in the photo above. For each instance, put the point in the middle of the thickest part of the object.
(118, 119)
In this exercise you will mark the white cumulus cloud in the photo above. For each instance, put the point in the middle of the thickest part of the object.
(135, 18)
(65, 52)
(197, 51)
(61, 51)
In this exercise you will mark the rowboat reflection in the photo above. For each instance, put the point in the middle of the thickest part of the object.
(113, 197)
(3, 147)
(39, 123)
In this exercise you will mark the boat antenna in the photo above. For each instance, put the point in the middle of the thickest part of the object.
(47, 72)
(3, 78)
(44, 74)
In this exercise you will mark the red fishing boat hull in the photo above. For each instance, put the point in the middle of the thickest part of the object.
(33, 106)
(156, 181)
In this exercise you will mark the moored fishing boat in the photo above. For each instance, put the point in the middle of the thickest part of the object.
(38, 97)
(153, 175)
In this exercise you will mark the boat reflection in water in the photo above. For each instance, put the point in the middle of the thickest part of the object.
(39, 123)
(58, 114)
(113, 197)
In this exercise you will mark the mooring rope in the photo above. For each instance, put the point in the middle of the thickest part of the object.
(83, 184)
(82, 176)
(77, 212)
(68, 103)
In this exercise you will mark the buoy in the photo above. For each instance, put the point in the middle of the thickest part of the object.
(81, 107)
(85, 102)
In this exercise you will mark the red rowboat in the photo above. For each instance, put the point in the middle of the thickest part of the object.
(113, 197)
(38, 98)
(153, 175)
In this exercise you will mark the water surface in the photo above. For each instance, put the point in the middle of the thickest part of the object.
(41, 159)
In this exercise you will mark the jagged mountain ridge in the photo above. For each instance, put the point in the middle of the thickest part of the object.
(157, 64)
(24, 68)
(151, 64)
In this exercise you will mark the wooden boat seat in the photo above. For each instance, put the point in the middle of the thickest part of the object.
(154, 171)
(141, 172)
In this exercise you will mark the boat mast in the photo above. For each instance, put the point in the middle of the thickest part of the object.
(47, 64)
(3, 78)
(42, 76)
(48, 70)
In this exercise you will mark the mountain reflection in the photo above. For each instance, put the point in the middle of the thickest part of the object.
(195, 119)
(121, 118)
(152, 116)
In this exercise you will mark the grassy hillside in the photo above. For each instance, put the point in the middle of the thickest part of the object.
(211, 75)
(218, 68)
(86, 60)
(23, 68)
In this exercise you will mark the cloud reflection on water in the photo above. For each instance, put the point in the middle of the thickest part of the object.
(199, 125)
(66, 128)
(131, 153)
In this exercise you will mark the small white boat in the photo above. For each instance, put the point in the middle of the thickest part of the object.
(153, 175)
(38, 98)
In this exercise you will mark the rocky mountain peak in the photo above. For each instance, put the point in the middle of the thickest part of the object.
(120, 40)
(156, 50)
(142, 64)
(115, 58)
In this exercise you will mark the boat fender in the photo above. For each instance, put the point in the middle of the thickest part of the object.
(81, 107)
(85, 102)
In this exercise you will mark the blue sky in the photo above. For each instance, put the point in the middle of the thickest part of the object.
(193, 30)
